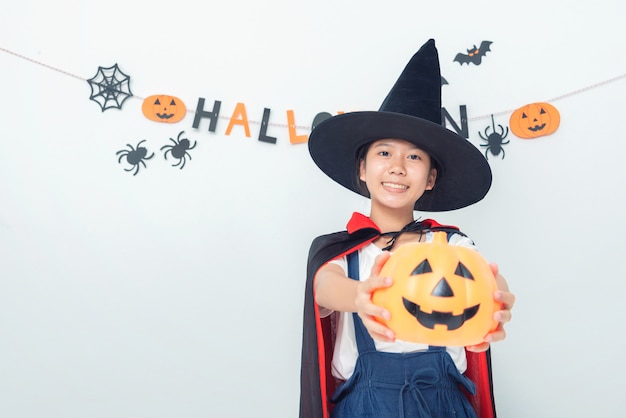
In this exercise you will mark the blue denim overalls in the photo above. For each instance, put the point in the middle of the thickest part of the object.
(400, 385)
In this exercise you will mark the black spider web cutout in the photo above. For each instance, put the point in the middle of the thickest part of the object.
(110, 87)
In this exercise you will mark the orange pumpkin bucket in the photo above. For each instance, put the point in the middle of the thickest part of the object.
(442, 294)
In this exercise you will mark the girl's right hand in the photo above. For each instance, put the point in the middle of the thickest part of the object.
(366, 309)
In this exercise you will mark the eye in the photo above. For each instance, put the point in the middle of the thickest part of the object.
(384, 153)
(423, 268)
(414, 157)
(463, 271)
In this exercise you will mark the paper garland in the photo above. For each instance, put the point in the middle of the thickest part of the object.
(112, 89)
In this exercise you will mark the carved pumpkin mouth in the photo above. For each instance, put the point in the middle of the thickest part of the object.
(537, 127)
(429, 320)
(164, 115)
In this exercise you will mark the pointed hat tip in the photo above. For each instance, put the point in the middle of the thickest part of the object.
(417, 92)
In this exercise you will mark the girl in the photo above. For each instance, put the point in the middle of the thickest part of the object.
(403, 160)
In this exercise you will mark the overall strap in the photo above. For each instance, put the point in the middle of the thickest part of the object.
(364, 341)
(449, 234)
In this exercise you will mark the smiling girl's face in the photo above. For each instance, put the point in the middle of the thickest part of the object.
(396, 173)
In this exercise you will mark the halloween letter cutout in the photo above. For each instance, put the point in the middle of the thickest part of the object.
(441, 295)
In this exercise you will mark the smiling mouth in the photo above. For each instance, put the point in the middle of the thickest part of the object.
(429, 320)
(395, 186)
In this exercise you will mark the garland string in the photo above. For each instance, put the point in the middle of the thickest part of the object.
(503, 112)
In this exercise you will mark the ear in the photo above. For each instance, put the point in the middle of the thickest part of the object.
(362, 170)
(432, 177)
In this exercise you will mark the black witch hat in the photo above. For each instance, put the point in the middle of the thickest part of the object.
(411, 111)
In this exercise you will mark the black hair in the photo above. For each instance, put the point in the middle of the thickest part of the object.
(361, 152)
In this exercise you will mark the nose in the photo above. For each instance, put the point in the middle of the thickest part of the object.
(396, 166)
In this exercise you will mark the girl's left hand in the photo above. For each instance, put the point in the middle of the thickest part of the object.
(507, 299)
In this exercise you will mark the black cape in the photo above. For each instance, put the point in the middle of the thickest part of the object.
(316, 381)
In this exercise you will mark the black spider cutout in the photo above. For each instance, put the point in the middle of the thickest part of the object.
(495, 140)
(110, 87)
(134, 156)
(179, 150)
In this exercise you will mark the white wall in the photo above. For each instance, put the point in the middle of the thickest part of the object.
(178, 293)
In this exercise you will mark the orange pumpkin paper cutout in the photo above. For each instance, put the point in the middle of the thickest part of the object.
(535, 120)
(164, 108)
(442, 294)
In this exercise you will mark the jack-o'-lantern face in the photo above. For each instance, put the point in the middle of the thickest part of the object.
(164, 108)
(534, 120)
(442, 294)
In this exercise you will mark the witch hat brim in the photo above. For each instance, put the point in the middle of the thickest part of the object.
(411, 111)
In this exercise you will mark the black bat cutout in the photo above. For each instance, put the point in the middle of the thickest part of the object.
(474, 55)
(429, 320)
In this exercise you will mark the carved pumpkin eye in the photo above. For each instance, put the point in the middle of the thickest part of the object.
(446, 299)
(422, 268)
(463, 271)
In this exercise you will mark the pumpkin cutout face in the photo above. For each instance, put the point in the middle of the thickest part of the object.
(535, 120)
(441, 294)
(164, 108)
